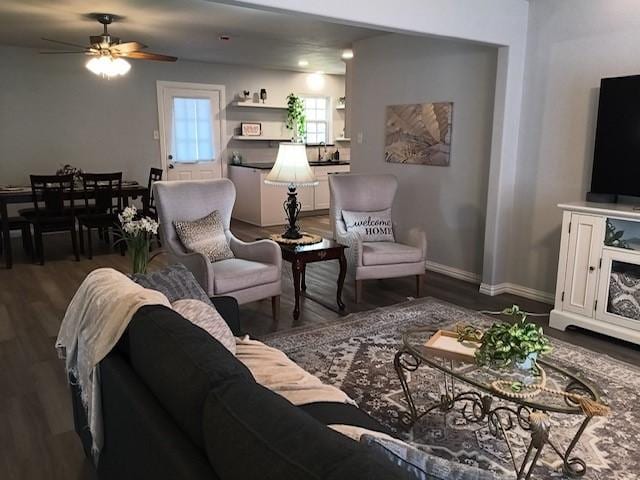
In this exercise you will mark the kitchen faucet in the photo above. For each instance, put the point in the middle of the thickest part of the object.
(322, 157)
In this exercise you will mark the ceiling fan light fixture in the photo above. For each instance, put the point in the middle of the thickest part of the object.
(108, 67)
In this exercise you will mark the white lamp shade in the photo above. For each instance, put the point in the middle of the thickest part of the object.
(291, 167)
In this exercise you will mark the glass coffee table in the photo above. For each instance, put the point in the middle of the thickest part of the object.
(466, 388)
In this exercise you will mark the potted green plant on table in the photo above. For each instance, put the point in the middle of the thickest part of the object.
(506, 344)
(296, 119)
(137, 232)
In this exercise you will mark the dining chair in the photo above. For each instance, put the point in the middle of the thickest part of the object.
(155, 175)
(53, 210)
(102, 203)
(22, 224)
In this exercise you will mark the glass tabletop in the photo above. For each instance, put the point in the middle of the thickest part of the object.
(481, 377)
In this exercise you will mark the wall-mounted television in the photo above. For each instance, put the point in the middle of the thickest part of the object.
(616, 160)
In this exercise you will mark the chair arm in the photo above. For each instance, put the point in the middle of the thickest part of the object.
(228, 309)
(197, 264)
(353, 240)
(264, 251)
(415, 237)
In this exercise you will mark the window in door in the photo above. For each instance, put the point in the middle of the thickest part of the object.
(316, 110)
(192, 130)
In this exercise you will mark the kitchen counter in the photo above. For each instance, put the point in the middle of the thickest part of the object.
(269, 165)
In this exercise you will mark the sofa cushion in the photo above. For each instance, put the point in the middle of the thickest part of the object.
(206, 317)
(205, 235)
(421, 465)
(251, 432)
(176, 282)
(180, 363)
(238, 274)
(372, 226)
(389, 253)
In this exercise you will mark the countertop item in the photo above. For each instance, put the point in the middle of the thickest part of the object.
(269, 165)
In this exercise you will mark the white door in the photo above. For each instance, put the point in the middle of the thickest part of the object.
(191, 120)
(585, 246)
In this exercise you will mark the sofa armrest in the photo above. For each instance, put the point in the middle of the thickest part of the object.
(415, 237)
(264, 251)
(228, 308)
(198, 265)
(353, 240)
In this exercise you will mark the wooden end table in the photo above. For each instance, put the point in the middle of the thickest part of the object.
(300, 255)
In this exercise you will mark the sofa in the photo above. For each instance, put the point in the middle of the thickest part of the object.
(176, 404)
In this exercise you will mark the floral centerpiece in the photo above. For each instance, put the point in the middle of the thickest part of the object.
(137, 231)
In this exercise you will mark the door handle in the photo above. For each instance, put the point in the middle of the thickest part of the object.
(171, 166)
(592, 268)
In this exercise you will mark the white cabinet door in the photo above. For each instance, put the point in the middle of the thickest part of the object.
(585, 247)
(618, 287)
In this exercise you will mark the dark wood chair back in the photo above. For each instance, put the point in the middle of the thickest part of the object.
(105, 189)
(52, 195)
(155, 175)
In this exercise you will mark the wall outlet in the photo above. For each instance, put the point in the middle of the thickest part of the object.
(156, 135)
(359, 137)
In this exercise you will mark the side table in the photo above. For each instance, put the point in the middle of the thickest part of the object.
(300, 255)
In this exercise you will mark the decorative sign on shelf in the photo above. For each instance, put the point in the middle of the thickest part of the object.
(419, 134)
(251, 129)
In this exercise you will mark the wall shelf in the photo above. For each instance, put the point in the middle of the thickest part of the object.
(272, 106)
(340, 107)
(261, 138)
(342, 139)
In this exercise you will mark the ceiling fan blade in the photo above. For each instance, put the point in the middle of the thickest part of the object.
(123, 48)
(149, 56)
(60, 52)
(65, 43)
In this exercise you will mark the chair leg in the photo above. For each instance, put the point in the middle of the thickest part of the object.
(39, 245)
(89, 243)
(419, 284)
(275, 307)
(358, 290)
(74, 242)
(81, 237)
(27, 243)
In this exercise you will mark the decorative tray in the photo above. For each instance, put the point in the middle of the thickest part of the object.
(446, 345)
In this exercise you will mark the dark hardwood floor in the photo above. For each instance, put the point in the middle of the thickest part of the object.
(36, 434)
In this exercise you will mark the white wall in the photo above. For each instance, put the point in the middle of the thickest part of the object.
(572, 45)
(448, 202)
(53, 111)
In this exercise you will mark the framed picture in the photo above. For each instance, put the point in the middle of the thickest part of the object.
(419, 134)
(251, 129)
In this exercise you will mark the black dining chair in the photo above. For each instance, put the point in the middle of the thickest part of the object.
(155, 175)
(102, 203)
(22, 224)
(53, 210)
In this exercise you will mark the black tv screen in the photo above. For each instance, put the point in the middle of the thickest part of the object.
(616, 160)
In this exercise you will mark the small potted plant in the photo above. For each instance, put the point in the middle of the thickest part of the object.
(137, 231)
(505, 344)
(296, 119)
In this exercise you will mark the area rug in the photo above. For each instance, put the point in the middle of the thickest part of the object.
(356, 355)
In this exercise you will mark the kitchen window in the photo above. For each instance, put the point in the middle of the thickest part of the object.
(316, 111)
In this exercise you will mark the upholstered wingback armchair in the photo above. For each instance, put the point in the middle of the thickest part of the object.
(255, 271)
(373, 260)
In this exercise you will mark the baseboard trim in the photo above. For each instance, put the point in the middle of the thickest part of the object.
(520, 290)
(454, 272)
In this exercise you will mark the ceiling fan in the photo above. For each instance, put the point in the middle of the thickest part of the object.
(107, 51)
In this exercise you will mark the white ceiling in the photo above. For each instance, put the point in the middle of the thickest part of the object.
(188, 29)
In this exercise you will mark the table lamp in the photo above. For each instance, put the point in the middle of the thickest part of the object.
(292, 170)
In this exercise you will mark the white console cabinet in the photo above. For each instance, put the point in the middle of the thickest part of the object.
(598, 285)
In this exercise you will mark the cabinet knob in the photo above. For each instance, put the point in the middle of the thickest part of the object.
(592, 268)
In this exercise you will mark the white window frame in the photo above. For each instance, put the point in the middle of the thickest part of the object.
(329, 120)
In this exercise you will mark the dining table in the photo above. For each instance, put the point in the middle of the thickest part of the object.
(23, 194)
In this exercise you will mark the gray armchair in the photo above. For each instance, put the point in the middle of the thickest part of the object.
(374, 260)
(254, 273)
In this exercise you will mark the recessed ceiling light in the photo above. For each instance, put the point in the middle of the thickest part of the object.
(303, 63)
(347, 54)
(224, 38)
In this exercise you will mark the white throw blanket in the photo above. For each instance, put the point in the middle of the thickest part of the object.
(96, 318)
(273, 369)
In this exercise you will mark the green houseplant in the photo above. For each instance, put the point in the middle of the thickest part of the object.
(505, 344)
(296, 120)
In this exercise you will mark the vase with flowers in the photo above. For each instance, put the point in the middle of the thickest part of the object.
(137, 231)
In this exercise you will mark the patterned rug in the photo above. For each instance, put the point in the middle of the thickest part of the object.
(356, 355)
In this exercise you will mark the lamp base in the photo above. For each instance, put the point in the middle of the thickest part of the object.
(292, 209)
